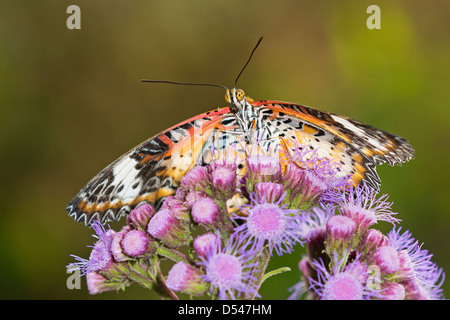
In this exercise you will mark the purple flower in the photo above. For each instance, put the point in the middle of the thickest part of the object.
(270, 223)
(186, 278)
(140, 216)
(206, 244)
(101, 256)
(340, 228)
(311, 223)
(223, 180)
(97, 283)
(361, 204)
(135, 243)
(268, 191)
(230, 270)
(166, 227)
(342, 283)
(103, 272)
(393, 291)
(328, 171)
(196, 179)
(422, 277)
(386, 257)
(205, 211)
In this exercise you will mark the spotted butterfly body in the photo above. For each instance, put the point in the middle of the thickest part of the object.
(152, 170)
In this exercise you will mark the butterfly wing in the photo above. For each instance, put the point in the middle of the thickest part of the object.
(357, 146)
(153, 169)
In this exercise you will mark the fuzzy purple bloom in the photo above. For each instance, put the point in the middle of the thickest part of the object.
(361, 204)
(101, 255)
(424, 278)
(270, 223)
(342, 283)
(313, 222)
(230, 270)
(264, 167)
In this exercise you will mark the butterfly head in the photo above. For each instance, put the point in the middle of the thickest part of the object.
(237, 100)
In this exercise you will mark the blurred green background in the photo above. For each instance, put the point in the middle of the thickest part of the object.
(71, 103)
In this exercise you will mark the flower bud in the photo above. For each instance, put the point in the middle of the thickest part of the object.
(304, 185)
(192, 196)
(223, 181)
(140, 216)
(386, 258)
(262, 168)
(372, 240)
(406, 269)
(185, 278)
(165, 227)
(205, 211)
(135, 243)
(96, 283)
(393, 291)
(206, 243)
(339, 233)
(116, 247)
(268, 191)
(340, 228)
(305, 267)
(364, 218)
(196, 179)
(177, 207)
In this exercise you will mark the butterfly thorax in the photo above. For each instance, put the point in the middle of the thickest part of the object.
(249, 117)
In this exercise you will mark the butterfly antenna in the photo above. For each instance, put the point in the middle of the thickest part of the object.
(185, 83)
(249, 58)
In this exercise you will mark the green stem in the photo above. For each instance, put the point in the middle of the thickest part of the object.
(275, 272)
(263, 261)
(161, 287)
(173, 255)
(138, 273)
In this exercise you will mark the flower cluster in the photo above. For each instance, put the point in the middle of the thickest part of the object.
(228, 218)
(348, 259)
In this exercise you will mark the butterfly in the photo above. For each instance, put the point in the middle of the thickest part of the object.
(152, 170)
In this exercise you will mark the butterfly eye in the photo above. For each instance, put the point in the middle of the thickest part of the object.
(240, 94)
